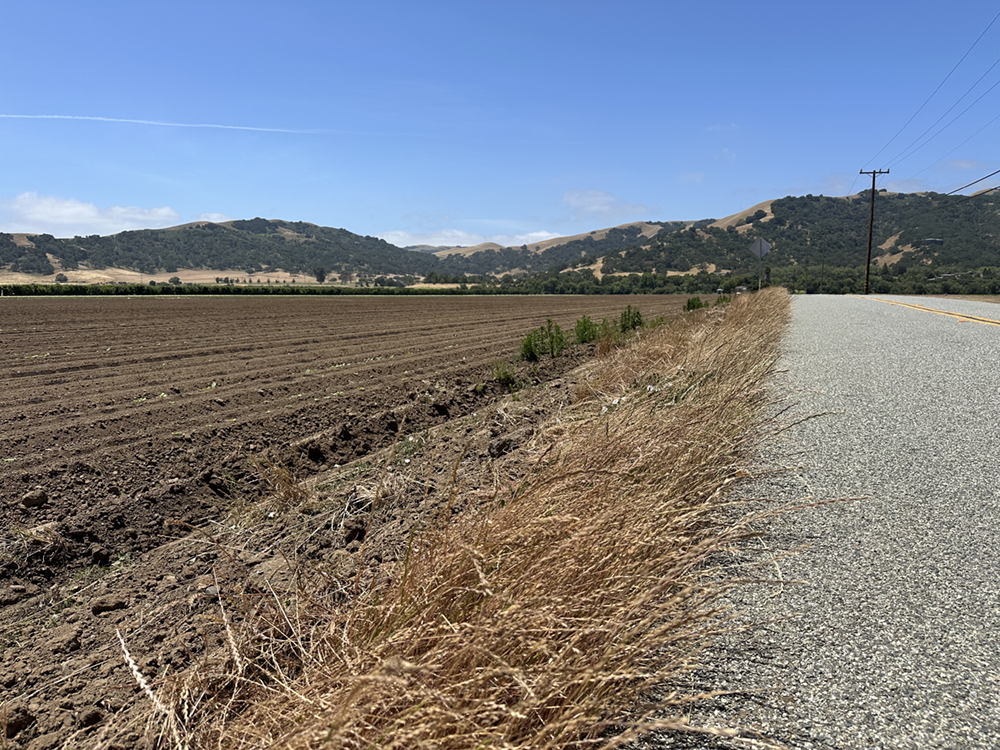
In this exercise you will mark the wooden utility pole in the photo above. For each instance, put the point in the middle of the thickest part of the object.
(871, 223)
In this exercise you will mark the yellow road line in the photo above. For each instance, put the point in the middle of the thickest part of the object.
(960, 317)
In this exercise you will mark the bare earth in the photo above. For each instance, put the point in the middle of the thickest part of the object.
(130, 422)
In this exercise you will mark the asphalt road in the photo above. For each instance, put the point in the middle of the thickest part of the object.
(891, 638)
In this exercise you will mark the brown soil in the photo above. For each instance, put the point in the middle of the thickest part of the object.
(132, 426)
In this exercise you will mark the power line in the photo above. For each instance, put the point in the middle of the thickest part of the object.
(953, 150)
(973, 183)
(952, 122)
(906, 153)
(961, 200)
(855, 182)
(921, 107)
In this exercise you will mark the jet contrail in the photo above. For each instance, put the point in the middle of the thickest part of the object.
(162, 124)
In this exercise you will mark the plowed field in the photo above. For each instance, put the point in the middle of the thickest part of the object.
(120, 414)
(127, 494)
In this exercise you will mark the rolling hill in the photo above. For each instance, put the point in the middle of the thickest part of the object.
(815, 230)
(806, 231)
(247, 246)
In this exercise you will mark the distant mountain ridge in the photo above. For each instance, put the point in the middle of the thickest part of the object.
(259, 245)
(551, 255)
(814, 230)
(645, 229)
(803, 231)
(250, 246)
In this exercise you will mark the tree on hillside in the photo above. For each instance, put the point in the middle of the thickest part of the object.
(320, 273)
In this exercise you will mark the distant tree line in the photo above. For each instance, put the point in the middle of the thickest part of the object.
(817, 243)
(916, 279)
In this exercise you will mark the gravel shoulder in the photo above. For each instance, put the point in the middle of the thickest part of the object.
(880, 630)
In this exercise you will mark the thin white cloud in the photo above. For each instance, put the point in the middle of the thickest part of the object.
(160, 123)
(724, 155)
(911, 185)
(834, 183)
(720, 128)
(425, 220)
(588, 205)
(965, 164)
(691, 177)
(214, 217)
(837, 183)
(461, 238)
(67, 217)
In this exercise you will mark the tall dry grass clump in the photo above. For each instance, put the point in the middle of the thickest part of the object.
(543, 620)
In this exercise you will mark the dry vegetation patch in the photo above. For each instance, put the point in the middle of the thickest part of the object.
(525, 575)
(533, 609)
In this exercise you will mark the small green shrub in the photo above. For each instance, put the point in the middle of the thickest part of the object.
(548, 339)
(555, 338)
(506, 375)
(630, 320)
(722, 300)
(532, 345)
(694, 303)
(586, 330)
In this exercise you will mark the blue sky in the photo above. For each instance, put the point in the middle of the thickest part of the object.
(459, 122)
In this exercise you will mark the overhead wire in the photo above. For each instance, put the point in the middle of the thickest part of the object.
(961, 200)
(951, 123)
(901, 157)
(973, 183)
(910, 150)
(906, 153)
(921, 107)
(965, 198)
(953, 150)
(968, 185)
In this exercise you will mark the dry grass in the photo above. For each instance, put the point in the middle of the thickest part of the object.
(545, 619)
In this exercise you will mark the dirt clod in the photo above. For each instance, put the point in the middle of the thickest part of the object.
(501, 447)
(34, 498)
(109, 603)
(355, 528)
(90, 716)
(65, 639)
(16, 721)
